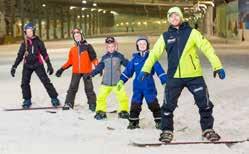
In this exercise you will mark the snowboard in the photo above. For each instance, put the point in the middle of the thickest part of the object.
(157, 143)
(112, 111)
(33, 108)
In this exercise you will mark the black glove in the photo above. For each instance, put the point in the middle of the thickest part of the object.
(59, 72)
(101, 73)
(13, 71)
(221, 73)
(88, 76)
(50, 69)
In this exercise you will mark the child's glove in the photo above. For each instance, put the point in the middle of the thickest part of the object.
(59, 72)
(221, 73)
(50, 69)
(142, 75)
(13, 71)
(89, 76)
(120, 84)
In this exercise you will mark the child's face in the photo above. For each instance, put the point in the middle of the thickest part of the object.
(142, 45)
(175, 19)
(77, 37)
(110, 47)
(29, 33)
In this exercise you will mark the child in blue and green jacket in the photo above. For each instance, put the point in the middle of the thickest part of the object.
(142, 89)
(111, 64)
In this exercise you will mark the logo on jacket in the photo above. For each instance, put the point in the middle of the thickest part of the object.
(171, 40)
(136, 63)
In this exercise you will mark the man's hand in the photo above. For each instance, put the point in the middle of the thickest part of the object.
(221, 73)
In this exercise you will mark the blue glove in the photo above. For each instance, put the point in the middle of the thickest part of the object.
(221, 73)
(142, 76)
(164, 79)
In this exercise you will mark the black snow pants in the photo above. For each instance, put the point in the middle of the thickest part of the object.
(41, 73)
(198, 88)
(73, 88)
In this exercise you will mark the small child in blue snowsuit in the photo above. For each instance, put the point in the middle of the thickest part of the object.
(142, 89)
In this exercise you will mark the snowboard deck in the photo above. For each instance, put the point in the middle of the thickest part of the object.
(112, 111)
(34, 108)
(157, 143)
(45, 108)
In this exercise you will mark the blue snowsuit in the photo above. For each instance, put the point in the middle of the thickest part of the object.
(143, 89)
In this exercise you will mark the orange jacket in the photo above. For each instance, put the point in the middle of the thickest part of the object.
(81, 58)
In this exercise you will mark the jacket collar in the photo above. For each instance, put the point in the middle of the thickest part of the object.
(143, 54)
(183, 26)
(108, 53)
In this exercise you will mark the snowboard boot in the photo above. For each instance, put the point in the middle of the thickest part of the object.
(123, 115)
(55, 102)
(26, 104)
(92, 107)
(100, 115)
(166, 136)
(158, 123)
(67, 106)
(133, 124)
(210, 135)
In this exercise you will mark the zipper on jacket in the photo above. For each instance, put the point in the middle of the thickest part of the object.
(178, 52)
(79, 57)
(192, 61)
(111, 69)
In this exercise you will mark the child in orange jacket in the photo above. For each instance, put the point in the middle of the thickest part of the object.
(81, 57)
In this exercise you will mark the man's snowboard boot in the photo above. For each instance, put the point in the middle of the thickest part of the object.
(100, 115)
(26, 104)
(210, 135)
(166, 136)
(55, 102)
(123, 115)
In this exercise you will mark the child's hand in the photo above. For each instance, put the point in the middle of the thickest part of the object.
(13, 71)
(120, 84)
(164, 79)
(93, 74)
(50, 69)
(142, 75)
(89, 76)
(59, 72)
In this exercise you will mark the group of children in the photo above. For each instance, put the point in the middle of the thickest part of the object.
(83, 60)
(184, 70)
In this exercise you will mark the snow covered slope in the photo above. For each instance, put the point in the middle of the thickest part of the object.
(76, 132)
